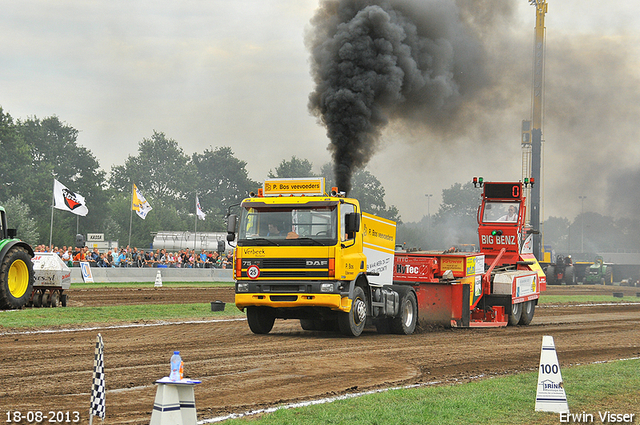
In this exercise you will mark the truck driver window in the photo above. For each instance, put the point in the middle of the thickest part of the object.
(500, 211)
(288, 222)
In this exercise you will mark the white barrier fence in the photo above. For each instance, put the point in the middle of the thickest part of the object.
(134, 274)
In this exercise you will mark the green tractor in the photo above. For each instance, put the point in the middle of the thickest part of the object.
(599, 272)
(16, 268)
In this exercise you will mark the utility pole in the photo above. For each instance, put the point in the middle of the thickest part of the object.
(428, 195)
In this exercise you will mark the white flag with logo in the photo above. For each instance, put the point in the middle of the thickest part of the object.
(199, 211)
(64, 199)
(140, 204)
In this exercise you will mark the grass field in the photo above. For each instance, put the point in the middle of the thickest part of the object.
(35, 317)
(591, 389)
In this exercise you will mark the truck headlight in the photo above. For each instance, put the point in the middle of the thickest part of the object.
(242, 287)
(326, 287)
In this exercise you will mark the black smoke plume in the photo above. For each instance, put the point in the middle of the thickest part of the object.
(375, 61)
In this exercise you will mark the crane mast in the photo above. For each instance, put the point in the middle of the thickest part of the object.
(532, 130)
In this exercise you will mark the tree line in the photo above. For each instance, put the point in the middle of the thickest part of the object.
(37, 151)
(455, 224)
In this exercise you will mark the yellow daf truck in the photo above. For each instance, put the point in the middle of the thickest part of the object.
(302, 253)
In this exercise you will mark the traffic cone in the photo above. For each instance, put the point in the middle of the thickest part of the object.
(551, 396)
(158, 283)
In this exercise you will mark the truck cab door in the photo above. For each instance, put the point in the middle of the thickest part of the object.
(351, 261)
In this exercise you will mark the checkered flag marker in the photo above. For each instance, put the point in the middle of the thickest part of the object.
(98, 390)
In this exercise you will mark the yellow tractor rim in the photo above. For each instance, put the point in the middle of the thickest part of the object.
(18, 278)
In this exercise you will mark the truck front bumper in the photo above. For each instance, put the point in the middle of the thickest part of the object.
(284, 300)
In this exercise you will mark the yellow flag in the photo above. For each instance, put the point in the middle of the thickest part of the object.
(140, 204)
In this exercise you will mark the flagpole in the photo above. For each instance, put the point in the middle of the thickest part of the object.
(131, 215)
(195, 227)
(53, 201)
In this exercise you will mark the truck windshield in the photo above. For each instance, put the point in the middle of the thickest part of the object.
(290, 225)
(500, 211)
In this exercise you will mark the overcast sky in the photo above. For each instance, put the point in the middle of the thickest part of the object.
(236, 73)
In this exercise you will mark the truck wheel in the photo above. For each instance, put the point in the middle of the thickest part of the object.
(383, 325)
(516, 314)
(352, 323)
(16, 278)
(405, 322)
(528, 309)
(260, 320)
(307, 325)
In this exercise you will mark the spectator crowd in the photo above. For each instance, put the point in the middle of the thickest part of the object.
(133, 257)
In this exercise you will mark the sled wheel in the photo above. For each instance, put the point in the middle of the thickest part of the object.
(516, 314)
(528, 309)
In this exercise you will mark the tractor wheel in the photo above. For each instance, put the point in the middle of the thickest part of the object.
(63, 300)
(352, 323)
(405, 322)
(516, 314)
(551, 275)
(570, 275)
(260, 320)
(16, 278)
(608, 276)
(528, 309)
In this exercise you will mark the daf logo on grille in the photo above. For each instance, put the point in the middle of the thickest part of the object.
(317, 263)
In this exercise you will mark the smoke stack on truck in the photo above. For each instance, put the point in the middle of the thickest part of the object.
(316, 257)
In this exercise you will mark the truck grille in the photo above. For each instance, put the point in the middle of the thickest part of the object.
(284, 263)
(271, 268)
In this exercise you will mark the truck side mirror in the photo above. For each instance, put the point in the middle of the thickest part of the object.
(352, 224)
(232, 222)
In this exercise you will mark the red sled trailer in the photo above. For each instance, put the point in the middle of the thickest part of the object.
(498, 286)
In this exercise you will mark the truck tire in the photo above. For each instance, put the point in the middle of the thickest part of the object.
(516, 314)
(405, 322)
(260, 320)
(309, 325)
(352, 323)
(528, 309)
(16, 278)
(319, 325)
(383, 325)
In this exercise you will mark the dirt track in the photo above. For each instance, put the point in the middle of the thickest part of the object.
(51, 371)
